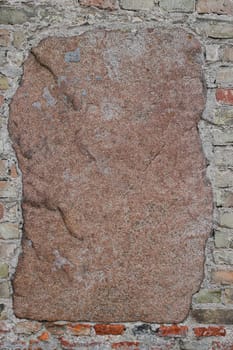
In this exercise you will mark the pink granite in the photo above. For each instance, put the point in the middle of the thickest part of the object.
(116, 204)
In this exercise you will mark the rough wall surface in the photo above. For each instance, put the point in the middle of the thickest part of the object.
(124, 220)
(23, 24)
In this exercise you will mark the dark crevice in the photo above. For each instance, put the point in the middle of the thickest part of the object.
(67, 225)
(154, 157)
(44, 65)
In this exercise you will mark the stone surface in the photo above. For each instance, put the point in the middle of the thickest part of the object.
(228, 54)
(228, 296)
(220, 7)
(224, 76)
(215, 316)
(225, 96)
(4, 290)
(116, 204)
(222, 277)
(103, 4)
(216, 29)
(4, 85)
(4, 270)
(178, 5)
(136, 5)
(9, 231)
(4, 37)
(207, 296)
(13, 15)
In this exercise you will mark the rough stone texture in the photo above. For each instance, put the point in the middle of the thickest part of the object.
(215, 316)
(215, 6)
(103, 4)
(116, 205)
(137, 4)
(178, 5)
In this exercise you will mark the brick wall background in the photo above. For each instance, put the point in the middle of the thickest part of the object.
(210, 322)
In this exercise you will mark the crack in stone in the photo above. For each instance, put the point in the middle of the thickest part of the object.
(67, 225)
(154, 157)
(44, 65)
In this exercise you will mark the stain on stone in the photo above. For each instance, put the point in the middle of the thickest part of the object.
(72, 56)
(115, 199)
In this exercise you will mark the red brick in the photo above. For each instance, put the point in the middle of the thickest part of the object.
(114, 329)
(66, 344)
(225, 96)
(79, 329)
(171, 331)
(210, 331)
(126, 345)
(102, 4)
(44, 336)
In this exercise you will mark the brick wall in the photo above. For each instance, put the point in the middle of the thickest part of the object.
(209, 324)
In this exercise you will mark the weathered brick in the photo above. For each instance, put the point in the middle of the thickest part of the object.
(4, 290)
(7, 250)
(212, 53)
(104, 329)
(223, 178)
(1, 211)
(136, 5)
(223, 156)
(214, 316)
(225, 96)
(223, 116)
(4, 85)
(18, 39)
(173, 331)
(124, 345)
(228, 296)
(226, 219)
(79, 329)
(7, 189)
(200, 344)
(44, 336)
(27, 327)
(227, 54)
(4, 270)
(4, 37)
(215, 6)
(3, 168)
(178, 5)
(207, 296)
(222, 277)
(223, 239)
(224, 76)
(223, 257)
(216, 29)
(9, 231)
(13, 171)
(222, 137)
(102, 4)
(13, 15)
(4, 327)
(226, 199)
(210, 331)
